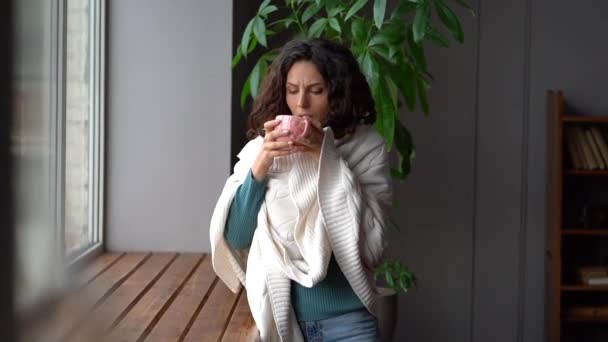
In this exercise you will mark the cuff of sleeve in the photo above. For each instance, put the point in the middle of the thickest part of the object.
(254, 184)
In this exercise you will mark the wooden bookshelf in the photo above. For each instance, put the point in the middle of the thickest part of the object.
(575, 238)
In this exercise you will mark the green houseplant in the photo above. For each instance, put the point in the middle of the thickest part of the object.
(390, 50)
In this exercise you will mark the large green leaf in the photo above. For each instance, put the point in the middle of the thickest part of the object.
(436, 37)
(384, 52)
(359, 32)
(389, 279)
(404, 283)
(366, 65)
(450, 20)
(245, 91)
(355, 8)
(422, 95)
(237, 57)
(403, 8)
(371, 69)
(393, 91)
(267, 10)
(402, 77)
(247, 37)
(392, 33)
(252, 45)
(263, 5)
(420, 22)
(334, 11)
(259, 30)
(417, 51)
(256, 77)
(407, 85)
(317, 28)
(385, 123)
(310, 12)
(405, 148)
(335, 24)
(379, 12)
(393, 51)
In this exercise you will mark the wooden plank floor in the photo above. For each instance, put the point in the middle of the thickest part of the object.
(152, 297)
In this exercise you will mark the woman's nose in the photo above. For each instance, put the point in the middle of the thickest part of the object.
(302, 100)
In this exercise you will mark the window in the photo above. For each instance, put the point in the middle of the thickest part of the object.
(83, 127)
(56, 140)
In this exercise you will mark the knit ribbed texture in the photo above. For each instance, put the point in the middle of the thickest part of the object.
(339, 199)
(331, 297)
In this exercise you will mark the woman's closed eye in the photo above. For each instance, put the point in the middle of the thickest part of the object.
(314, 91)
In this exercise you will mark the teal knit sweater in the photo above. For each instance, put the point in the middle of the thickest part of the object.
(331, 297)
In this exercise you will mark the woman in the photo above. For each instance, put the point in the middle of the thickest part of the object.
(300, 222)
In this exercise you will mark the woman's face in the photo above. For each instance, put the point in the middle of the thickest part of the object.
(306, 92)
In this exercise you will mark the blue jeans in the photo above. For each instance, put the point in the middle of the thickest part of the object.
(355, 326)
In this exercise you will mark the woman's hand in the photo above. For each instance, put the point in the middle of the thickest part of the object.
(272, 148)
(312, 141)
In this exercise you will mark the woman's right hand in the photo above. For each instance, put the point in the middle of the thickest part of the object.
(272, 148)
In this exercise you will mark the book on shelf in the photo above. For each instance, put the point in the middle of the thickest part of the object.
(587, 147)
(594, 149)
(601, 142)
(574, 150)
(587, 154)
(594, 275)
(578, 143)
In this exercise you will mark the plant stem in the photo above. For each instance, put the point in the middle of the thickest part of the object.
(295, 13)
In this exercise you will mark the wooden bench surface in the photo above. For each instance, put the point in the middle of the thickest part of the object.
(152, 297)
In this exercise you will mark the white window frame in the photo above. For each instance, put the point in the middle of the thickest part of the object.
(96, 136)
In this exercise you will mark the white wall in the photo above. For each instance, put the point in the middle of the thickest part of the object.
(168, 128)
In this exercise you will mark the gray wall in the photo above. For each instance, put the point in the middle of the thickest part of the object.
(168, 141)
(472, 213)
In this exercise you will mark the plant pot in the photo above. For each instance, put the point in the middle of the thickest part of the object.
(386, 307)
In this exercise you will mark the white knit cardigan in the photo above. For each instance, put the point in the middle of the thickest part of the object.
(353, 189)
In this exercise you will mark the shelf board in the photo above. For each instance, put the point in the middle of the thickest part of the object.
(586, 232)
(584, 118)
(584, 288)
(586, 172)
(573, 318)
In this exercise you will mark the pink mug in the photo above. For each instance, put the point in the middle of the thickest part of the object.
(297, 126)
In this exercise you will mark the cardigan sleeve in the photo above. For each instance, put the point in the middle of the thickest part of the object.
(375, 190)
(242, 217)
(357, 180)
(230, 263)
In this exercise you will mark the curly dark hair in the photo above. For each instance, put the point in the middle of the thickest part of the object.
(350, 99)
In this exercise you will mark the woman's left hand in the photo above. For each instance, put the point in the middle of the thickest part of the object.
(313, 141)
